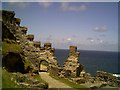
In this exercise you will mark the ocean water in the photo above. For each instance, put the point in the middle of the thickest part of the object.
(93, 60)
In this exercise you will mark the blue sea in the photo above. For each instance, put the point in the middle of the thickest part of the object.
(93, 60)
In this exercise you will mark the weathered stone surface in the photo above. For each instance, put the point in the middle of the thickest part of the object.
(107, 77)
(7, 16)
(28, 81)
(47, 46)
(79, 80)
(30, 37)
(72, 62)
(23, 30)
(37, 44)
(104, 76)
(17, 21)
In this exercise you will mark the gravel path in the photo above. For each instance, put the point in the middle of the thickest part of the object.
(53, 83)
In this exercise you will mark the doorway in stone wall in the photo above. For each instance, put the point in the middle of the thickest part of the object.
(43, 66)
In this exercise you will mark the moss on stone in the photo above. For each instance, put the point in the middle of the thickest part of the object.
(27, 65)
(10, 47)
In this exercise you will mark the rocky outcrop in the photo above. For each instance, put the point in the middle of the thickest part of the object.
(72, 67)
(108, 78)
(27, 81)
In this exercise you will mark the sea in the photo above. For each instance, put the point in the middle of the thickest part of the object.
(93, 60)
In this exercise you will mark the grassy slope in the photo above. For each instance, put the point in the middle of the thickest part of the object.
(10, 47)
(6, 80)
(7, 83)
(71, 84)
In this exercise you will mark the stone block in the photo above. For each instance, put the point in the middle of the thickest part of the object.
(47, 46)
(17, 20)
(30, 37)
(23, 30)
(7, 15)
(37, 44)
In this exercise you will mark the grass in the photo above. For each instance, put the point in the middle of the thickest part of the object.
(69, 83)
(41, 80)
(10, 47)
(7, 83)
(6, 80)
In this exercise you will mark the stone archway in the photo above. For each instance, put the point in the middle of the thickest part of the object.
(43, 66)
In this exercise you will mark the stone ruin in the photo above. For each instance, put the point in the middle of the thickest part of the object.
(33, 54)
(72, 67)
(30, 37)
(32, 50)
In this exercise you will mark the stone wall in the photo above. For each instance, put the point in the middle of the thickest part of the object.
(32, 50)
(72, 64)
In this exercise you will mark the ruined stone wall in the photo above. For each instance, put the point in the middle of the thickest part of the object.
(72, 67)
(32, 50)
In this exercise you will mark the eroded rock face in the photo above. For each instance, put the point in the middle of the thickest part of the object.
(72, 64)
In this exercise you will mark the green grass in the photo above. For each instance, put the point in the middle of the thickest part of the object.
(41, 80)
(7, 83)
(69, 83)
(10, 47)
(6, 80)
(0, 77)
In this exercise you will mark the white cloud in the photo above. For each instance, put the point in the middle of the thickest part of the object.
(100, 40)
(69, 39)
(65, 6)
(91, 40)
(21, 5)
(45, 4)
(100, 29)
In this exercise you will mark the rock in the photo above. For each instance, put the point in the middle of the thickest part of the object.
(17, 20)
(47, 46)
(79, 80)
(30, 37)
(7, 16)
(107, 77)
(23, 30)
(104, 76)
(72, 63)
(37, 44)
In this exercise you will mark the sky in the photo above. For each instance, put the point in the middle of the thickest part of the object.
(87, 25)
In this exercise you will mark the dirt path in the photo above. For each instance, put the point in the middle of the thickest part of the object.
(53, 83)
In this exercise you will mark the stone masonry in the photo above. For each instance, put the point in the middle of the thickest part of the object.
(72, 67)
(32, 50)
